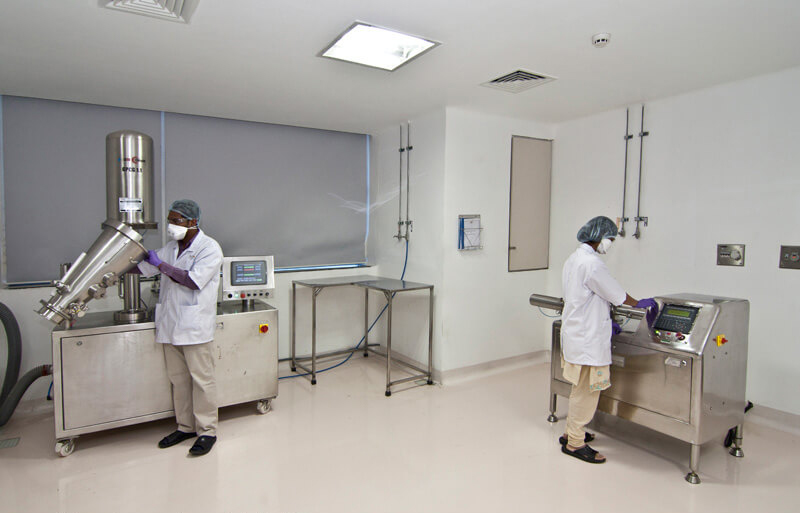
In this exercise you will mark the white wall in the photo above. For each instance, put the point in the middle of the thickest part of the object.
(720, 166)
(410, 328)
(486, 310)
(460, 165)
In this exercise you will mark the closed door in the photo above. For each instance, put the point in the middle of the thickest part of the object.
(529, 209)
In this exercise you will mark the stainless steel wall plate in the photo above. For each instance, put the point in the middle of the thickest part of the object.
(730, 254)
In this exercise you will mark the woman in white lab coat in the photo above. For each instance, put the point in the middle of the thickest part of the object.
(586, 329)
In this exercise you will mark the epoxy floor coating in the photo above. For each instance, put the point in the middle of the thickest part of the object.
(475, 445)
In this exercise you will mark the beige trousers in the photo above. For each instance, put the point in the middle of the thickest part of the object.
(194, 387)
(582, 407)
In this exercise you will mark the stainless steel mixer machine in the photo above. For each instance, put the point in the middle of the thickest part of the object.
(684, 376)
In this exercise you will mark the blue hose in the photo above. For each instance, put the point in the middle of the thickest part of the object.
(402, 275)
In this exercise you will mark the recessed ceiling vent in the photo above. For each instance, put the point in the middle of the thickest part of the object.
(518, 81)
(173, 10)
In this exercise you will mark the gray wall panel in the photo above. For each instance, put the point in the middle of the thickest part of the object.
(55, 174)
(296, 193)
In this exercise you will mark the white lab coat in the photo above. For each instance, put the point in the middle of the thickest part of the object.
(589, 290)
(185, 316)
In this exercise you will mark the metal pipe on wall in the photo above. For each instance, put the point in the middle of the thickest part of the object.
(400, 187)
(639, 218)
(628, 137)
(408, 175)
(404, 234)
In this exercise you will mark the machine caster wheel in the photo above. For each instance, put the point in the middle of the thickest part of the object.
(552, 418)
(313, 381)
(430, 382)
(388, 393)
(263, 406)
(65, 447)
(692, 478)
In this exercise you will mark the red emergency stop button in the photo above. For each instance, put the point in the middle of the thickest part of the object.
(721, 340)
(242, 295)
(263, 328)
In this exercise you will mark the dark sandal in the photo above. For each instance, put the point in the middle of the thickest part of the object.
(585, 453)
(175, 438)
(202, 445)
(586, 439)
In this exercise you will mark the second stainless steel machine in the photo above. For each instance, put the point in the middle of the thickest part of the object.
(108, 371)
(684, 376)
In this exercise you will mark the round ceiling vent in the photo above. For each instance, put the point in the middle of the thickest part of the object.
(600, 40)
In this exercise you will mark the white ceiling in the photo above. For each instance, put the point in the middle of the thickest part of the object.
(256, 59)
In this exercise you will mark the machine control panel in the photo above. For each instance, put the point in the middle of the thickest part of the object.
(675, 322)
(247, 277)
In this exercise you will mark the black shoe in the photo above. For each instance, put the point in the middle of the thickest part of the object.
(202, 445)
(174, 439)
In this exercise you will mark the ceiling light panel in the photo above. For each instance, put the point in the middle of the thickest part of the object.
(377, 47)
(173, 10)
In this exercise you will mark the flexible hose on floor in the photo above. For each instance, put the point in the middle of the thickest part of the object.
(14, 351)
(10, 404)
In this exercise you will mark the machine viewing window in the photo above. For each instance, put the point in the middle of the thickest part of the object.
(249, 273)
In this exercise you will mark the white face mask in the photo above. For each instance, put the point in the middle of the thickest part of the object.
(176, 232)
(604, 246)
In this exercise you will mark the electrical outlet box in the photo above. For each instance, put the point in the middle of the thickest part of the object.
(730, 254)
(790, 257)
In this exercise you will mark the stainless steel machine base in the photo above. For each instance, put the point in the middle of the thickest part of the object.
(130, 317)
(108, 375)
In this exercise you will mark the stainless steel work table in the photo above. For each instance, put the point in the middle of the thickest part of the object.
(389, 287)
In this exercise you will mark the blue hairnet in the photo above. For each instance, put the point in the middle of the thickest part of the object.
(187, 208)
(596, 229)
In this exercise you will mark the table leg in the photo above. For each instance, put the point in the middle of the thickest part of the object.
(366, 322)
(430, 338)
(388, 344)
(314, 293)
(294, 319)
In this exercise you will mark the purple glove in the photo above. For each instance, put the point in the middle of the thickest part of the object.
(152, 258)
(652, 309)
(616, 329)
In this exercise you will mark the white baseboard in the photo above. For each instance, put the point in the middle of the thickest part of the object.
(485, 369)
(776, 419)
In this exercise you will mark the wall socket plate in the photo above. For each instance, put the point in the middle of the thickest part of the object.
(790, 257)
(730, 254)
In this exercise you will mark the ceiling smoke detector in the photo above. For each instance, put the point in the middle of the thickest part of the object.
(600, 40)
(172, 10)
(518, 81)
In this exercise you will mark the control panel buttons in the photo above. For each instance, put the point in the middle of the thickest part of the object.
(263, 328)
(721, 340)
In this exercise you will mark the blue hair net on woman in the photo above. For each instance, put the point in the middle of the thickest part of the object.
(187, 208)
(596, 229)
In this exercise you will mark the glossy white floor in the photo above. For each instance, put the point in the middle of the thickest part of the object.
(478, 445)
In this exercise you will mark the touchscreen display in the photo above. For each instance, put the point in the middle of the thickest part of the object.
(246, 273)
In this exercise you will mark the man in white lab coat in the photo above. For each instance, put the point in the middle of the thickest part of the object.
(586, 329)
(185, 319)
